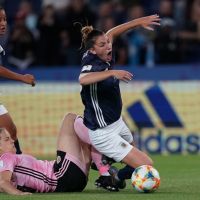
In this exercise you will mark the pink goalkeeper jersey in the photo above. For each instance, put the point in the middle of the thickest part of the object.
(29, 172)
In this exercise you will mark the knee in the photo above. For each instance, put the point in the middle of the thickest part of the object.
(149, 162)
(70, 117)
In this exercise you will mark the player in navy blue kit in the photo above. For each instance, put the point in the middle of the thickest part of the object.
(5, 119)
(101, 94)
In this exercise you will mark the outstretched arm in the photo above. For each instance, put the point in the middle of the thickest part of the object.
(145, 22)
(6, 186)
(27, 78)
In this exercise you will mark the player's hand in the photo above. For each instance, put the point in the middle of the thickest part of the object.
(123, 75)
(29, 79)
(149, 21)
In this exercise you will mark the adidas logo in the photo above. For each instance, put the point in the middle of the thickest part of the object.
(162, 107)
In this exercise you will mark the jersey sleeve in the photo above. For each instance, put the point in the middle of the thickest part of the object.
(7, 162)
(87, 69)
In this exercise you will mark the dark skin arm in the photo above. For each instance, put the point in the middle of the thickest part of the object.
(26, 78)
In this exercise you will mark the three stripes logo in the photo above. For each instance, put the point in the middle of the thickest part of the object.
(162, 107)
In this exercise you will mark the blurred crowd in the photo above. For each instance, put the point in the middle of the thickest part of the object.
(45, 32)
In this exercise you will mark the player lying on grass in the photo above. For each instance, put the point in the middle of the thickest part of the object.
(23, 174)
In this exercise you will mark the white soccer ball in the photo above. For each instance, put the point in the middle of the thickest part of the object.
(145, 179)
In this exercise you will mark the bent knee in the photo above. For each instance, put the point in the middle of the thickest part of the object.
(70, 116)
(149, 162)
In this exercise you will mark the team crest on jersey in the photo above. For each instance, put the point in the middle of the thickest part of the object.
(1, 163)
(86, 68)
(58, 159)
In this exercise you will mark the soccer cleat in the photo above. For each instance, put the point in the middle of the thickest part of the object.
(107, 182)
(113, 172)
(107, 161)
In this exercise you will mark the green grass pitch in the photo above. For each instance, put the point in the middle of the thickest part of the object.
(180, 180)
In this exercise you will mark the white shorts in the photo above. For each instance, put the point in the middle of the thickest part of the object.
(113, 140)
(3, 110)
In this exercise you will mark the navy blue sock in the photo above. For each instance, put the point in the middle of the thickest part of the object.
(125, 173)
(18, 150)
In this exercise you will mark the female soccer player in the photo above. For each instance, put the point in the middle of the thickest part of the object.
(5, 119)
(23, 174)
(101, 94)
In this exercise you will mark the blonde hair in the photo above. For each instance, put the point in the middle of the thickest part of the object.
(85, 31)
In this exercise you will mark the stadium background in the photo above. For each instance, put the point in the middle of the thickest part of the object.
(166, 61)
(38, 111)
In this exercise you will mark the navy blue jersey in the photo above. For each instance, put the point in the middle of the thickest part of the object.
(102, 100)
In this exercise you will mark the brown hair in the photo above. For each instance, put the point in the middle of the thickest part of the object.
(89, 35)
(1, 131)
